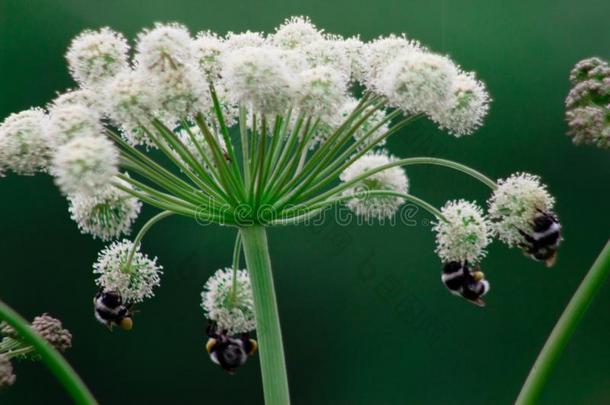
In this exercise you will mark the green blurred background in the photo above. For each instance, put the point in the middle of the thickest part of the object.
(365, 317)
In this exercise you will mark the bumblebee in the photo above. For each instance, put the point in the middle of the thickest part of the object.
(543, 242)
(228, 351)
(467, 283)
(110, 310)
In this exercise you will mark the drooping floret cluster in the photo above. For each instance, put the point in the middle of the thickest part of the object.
(227, 301)
(514, 205)
(392, 179)
(107, 214)
(13, 345)
(464, 235)
(126, 271)
(588, 103)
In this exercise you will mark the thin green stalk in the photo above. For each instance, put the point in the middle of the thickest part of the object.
(402, 162)
(140, 236)
(236, 254)
(52, 359)
(565, 327)
(271, 353)
(291, 217)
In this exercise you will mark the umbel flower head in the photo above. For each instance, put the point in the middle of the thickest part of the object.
(52, 331)
(230, 307)
(465, 234)
(85, 164)
(95, 56)
(588, 103)
(7, 377)
(107, 214)
(134, 280)
(24, 146)
(514, 206)
(393, 179)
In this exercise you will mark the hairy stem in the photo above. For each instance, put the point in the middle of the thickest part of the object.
(273, 365)
(565, 327)
(53, 360)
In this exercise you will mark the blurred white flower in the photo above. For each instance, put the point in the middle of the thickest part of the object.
(208, 48)
(418, 82)
(296, 32)
(96, 56)
(69, 121)
(166, 47)
(392, 179)
(322, 90)
(257, 78)
(24, 145)
(468, 109)
(85, 164)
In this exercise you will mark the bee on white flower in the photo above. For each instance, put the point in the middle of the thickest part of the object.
(134, 281)
(521, 210)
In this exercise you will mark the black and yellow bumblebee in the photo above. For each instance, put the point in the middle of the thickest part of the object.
(229, 351)
(545, 238)
(110, 310)
(465, 282)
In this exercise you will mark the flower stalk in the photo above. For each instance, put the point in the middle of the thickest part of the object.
(565, 327)
(273, 364)
(51, 357)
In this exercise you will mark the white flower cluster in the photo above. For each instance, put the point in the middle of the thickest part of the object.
(514, 205)
(298, 67)
(85, 164)
(96, 56)
(392, 179)
(24, 146)
(134, 282)
(232, 310)
(107, 214)
(465, 235)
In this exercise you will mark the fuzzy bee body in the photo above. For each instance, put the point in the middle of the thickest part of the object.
(228, 351)
(469, 284)
(544, 240)
(110, 310)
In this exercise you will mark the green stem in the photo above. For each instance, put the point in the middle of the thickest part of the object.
(140, 236)
(236, 254)
(565, 327)
(53, 360)
(273, 365)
